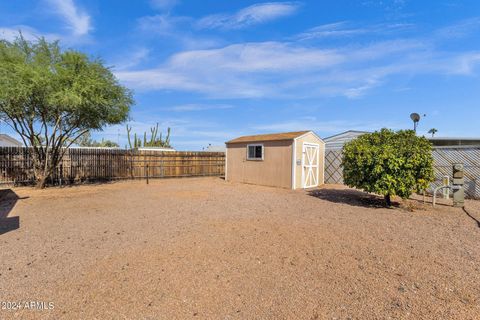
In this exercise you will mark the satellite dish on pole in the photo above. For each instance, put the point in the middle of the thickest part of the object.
(415, 118)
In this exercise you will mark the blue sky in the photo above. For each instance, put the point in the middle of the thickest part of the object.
(214, 70)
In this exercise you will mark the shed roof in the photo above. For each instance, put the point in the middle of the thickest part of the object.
(453, 141)
(269, 137)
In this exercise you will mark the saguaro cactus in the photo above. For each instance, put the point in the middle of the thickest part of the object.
(152, 142)
(129, 129)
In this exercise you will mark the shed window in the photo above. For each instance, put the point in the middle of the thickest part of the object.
(255, 152)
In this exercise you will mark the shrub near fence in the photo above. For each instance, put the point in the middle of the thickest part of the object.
(94, 164)
(444, 158)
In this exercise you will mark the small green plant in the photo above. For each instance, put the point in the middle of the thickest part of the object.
(154, 141)
(388, 163)
(87, 141)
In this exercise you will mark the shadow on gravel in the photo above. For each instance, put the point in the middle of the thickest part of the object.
(471, 217)
(8, 199)
(351, 197)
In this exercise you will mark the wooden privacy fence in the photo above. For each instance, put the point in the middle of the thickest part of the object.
(93, 164)
(444, 158)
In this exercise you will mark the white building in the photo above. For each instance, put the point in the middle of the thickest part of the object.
(337, 141)
(160, 149)
(211, 148)
(7, 141)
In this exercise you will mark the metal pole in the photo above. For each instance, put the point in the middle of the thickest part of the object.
(147, 173)
(61, 174)
(434, 202)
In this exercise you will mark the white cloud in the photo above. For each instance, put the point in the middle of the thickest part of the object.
(356, 92)
(297, 69)
(230, 70)
(132, 59)
(176, 29)
(179, 28)
(466, 64)
(336, 29)
(279, 69)
(160, 79)
(78, 21)
(324, 127)
(255, 14)
(256, 57)
(344, 29)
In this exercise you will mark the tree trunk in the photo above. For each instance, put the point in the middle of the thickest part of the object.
(41, 181)
(388, 200)
(44, 174)
(42, 170)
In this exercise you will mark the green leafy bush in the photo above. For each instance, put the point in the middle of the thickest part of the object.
(388, 163)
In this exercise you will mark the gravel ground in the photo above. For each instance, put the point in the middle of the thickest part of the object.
(209, 249)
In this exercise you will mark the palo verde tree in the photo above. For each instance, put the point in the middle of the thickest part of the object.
(388, 163)
(51, 97)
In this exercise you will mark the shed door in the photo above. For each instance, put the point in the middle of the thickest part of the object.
(310, 158)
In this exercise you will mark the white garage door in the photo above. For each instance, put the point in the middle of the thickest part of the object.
(310, 158)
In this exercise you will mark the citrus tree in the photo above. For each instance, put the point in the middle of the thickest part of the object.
(388, 163)
(51, 97)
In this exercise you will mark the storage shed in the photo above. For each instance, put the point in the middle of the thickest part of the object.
(291, 160)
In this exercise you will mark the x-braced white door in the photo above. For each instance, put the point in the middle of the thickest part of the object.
(310, 157)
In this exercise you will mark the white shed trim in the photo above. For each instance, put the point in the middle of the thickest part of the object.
(317, 166)
(294, 163)
(294, 159)
(303, 135)
(256, 145)
(226, 162)
(323, 165)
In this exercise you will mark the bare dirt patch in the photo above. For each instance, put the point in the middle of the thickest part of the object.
(208, 249)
